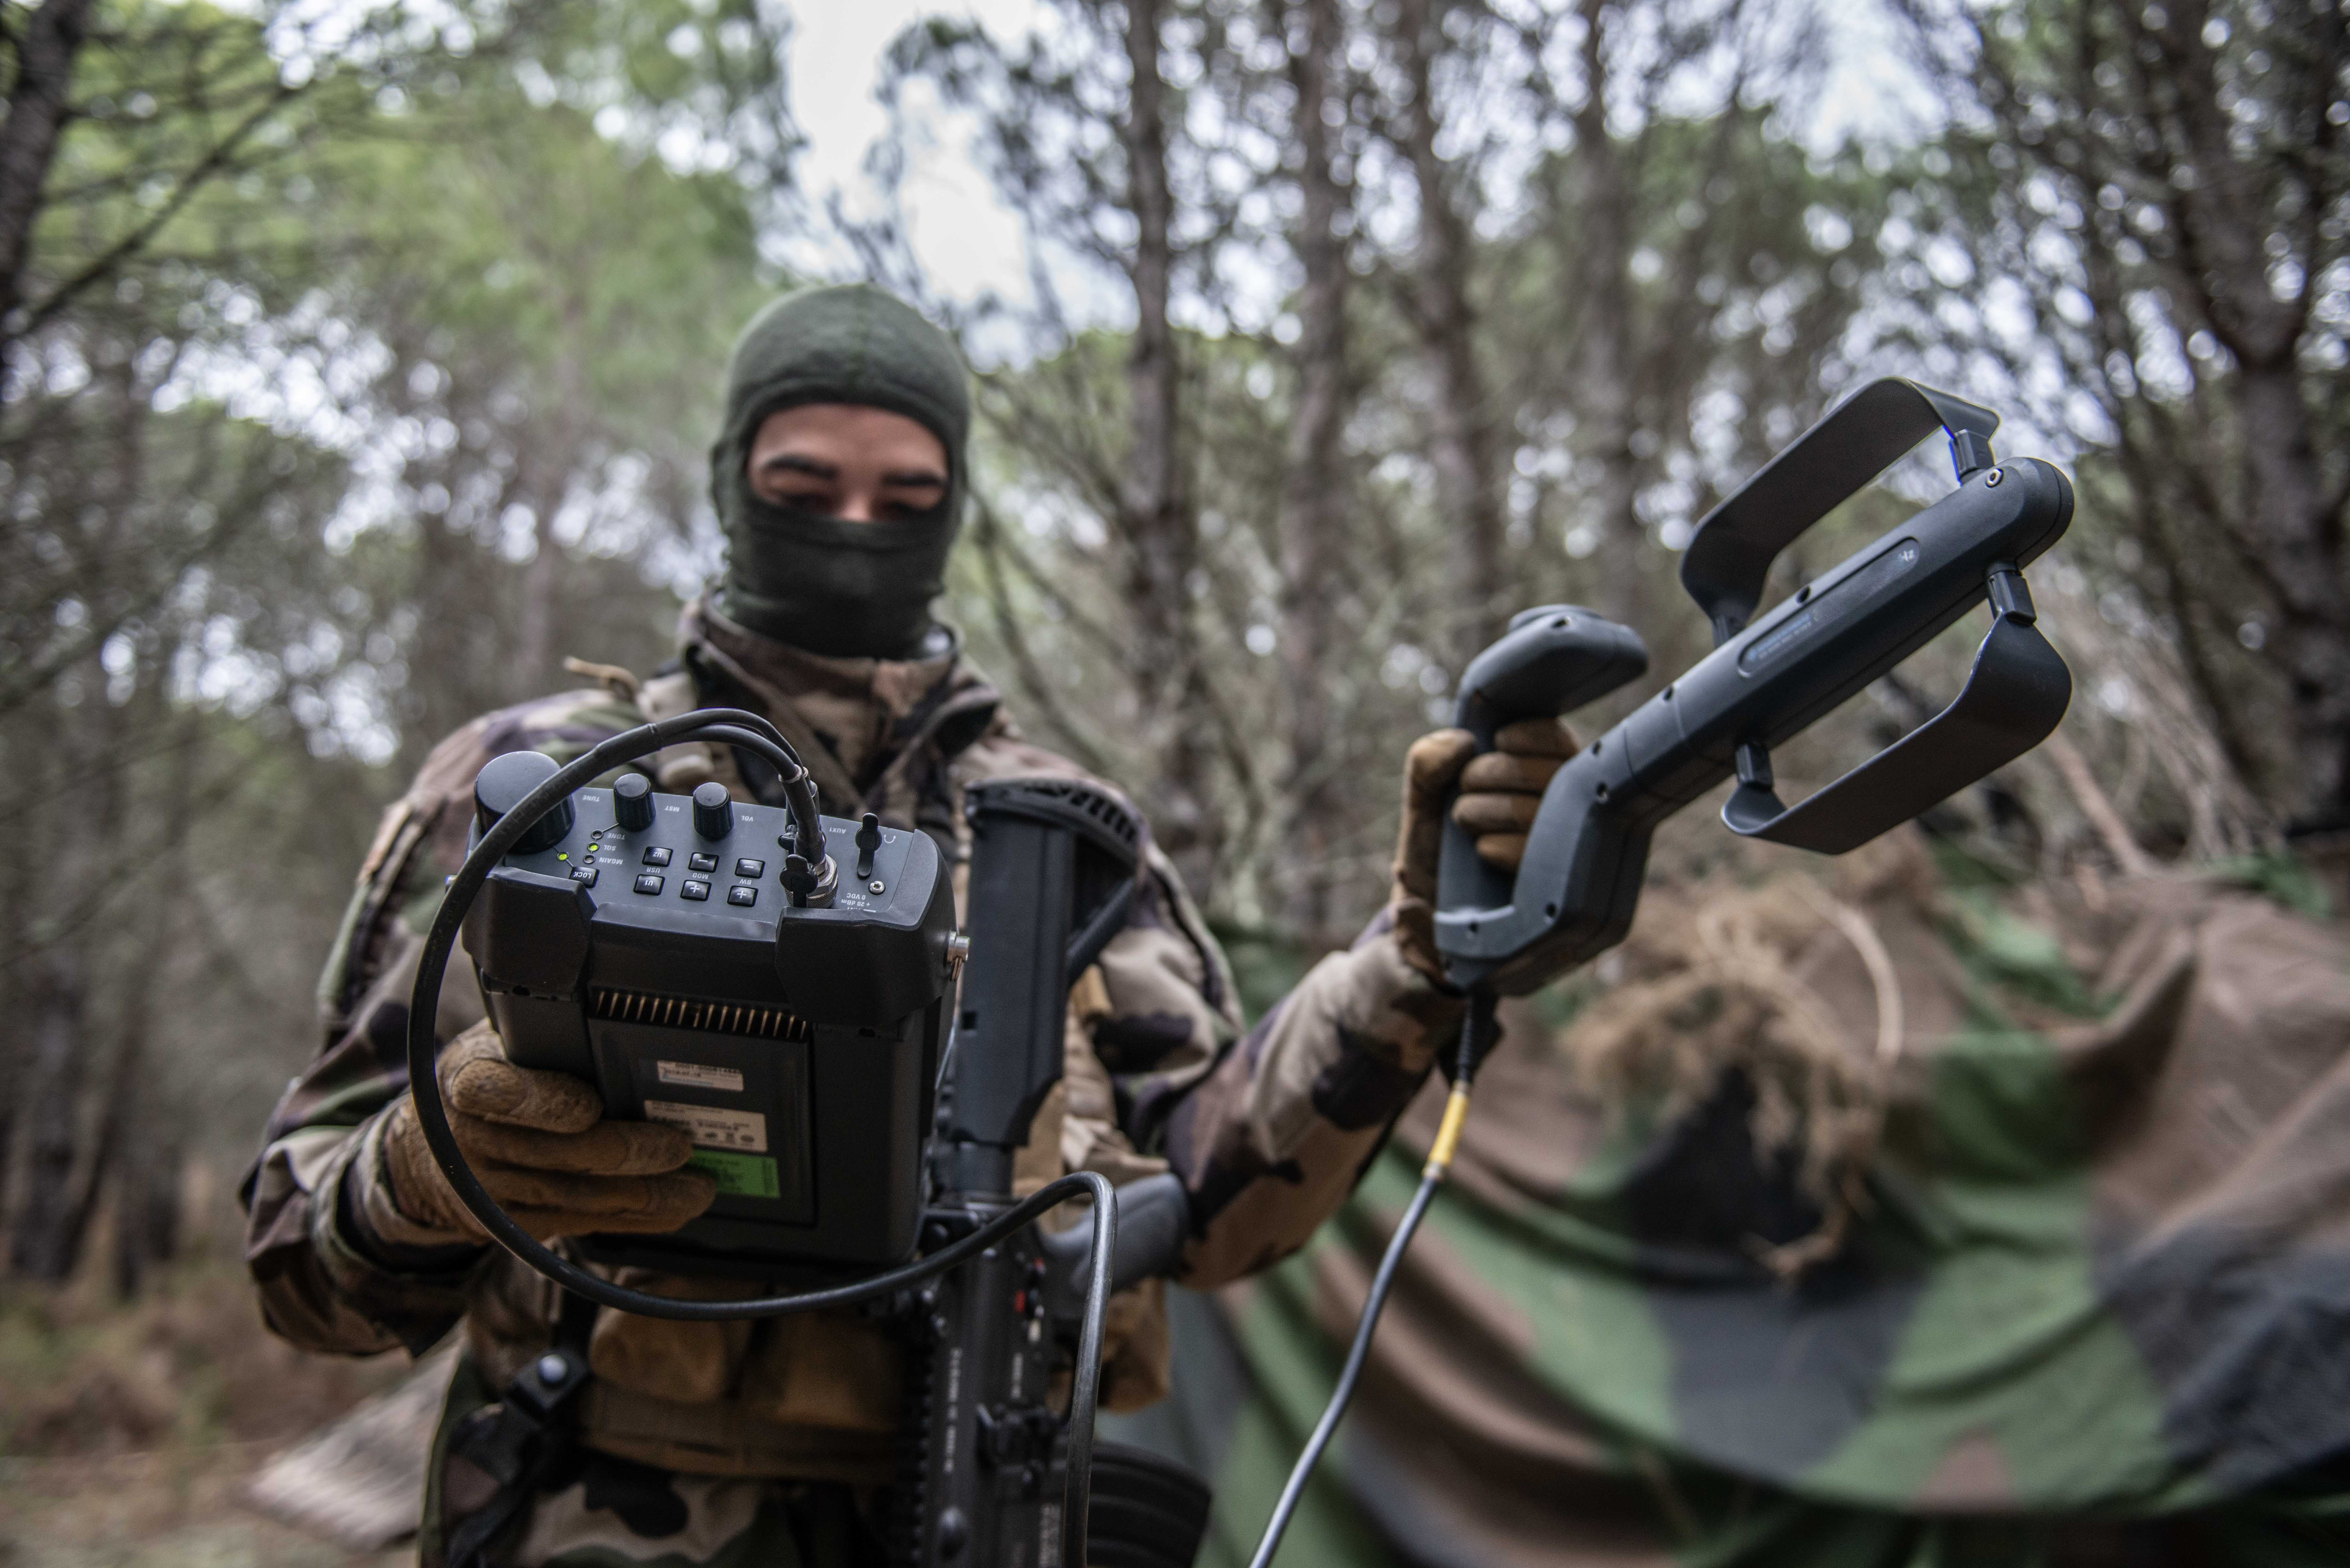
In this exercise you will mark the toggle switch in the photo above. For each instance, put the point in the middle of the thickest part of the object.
(868, 839)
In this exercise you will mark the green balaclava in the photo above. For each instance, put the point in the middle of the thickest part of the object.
(843, 589)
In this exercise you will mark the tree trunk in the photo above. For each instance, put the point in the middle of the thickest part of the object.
(52, 37)
(105, 1166)
(533, 670)
(548, 476)
(441, 657)
(140, 1146)
(48, 1240)
(89, 820)
(147, 1200)
(1603, 238)
(88, 802)
(1311, 496)
(1461, 435)
(2183, 208)
(1161, 540)
(2223, 217)
(2297, 532)
(16, 990)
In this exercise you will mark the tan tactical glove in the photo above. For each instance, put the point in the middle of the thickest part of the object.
(538, 1142)
(1499, 793)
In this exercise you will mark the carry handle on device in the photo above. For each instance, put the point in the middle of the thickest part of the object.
(2016, 691)
(2016, 695)
(1054, 863)
(1729, 558)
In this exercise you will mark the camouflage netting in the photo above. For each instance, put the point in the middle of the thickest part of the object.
(1889, 1218)
(1727, 980)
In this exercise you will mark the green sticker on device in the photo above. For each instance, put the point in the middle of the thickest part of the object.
(739, 1174)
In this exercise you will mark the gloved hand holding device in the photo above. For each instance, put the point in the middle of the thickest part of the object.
(1499, 792)
(540, 1142)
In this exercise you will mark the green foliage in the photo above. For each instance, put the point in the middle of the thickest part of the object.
(2278, 875)
(1559, 1004)
(2003, 951)
(1969, 866)
(361, 385)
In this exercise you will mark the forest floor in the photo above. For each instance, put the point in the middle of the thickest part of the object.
(130, 1433)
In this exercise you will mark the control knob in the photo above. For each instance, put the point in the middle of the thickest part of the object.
(500, 786)
(633, 802)
(713, 811)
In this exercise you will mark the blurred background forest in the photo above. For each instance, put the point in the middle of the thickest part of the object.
(360, 360)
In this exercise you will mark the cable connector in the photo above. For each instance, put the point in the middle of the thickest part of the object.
(810, 886)
(1447, 1135)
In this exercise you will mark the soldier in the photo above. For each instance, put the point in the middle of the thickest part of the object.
(838, 475)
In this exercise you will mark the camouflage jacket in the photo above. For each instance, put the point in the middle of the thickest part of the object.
(1269, 1129)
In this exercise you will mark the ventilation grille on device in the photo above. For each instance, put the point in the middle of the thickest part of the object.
(708, 1017)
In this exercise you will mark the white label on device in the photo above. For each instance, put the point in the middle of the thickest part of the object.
(697, 1075)
(711, 1127)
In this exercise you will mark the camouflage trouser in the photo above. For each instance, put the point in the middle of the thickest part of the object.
(590, 1510)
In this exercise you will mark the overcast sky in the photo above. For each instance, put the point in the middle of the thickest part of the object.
(968, 242)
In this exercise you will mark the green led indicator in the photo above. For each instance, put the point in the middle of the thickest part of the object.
(739, 1174)
(563, 854)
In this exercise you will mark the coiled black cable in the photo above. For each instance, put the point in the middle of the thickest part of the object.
(733, 726)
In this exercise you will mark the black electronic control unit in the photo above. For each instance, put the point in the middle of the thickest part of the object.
(656, 946)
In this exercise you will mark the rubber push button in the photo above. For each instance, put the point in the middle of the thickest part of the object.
(648, 883)
(747, 896)
(585, 876)
(703, 862)
(695, 890)
(656, 856)
(751, 868)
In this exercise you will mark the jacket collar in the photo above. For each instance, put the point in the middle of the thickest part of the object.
(866, 713)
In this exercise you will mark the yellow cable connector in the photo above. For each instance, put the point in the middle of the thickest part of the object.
(1447, 1134)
